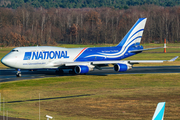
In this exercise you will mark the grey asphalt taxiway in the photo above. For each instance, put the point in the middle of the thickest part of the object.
(7, 75)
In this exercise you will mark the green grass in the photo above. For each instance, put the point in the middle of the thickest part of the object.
(124, 97)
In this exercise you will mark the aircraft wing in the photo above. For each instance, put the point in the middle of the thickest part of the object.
(152, 61)
(113, 62)
(135, 61)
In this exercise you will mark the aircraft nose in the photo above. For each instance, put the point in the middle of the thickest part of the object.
(5, 61)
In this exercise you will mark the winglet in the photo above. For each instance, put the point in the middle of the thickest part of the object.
(173, 59)
(159, 112)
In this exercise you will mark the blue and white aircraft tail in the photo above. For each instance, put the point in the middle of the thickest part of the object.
(159, 112)
(81, 60)
(133, 37)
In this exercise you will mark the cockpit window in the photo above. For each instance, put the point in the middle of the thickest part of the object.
(14, 51)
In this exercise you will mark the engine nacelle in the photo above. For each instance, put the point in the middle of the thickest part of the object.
(119, 67)
(81, 69)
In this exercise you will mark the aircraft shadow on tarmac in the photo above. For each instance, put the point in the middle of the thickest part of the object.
(7, 75)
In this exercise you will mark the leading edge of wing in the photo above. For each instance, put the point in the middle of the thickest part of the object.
(113, 62)
(152, 61)
(134, 61)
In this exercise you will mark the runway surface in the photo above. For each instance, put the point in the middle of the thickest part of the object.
(7, 75)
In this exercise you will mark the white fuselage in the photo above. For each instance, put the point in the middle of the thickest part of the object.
(39, 57)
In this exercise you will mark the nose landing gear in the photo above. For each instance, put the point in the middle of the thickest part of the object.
(18, 74)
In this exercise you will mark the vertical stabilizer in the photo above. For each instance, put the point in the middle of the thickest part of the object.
(159, 112)
(135, 34)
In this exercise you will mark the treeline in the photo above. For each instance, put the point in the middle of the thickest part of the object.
(30, 26)
(119, 4)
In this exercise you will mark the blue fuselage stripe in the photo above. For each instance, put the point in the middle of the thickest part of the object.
(106, 53)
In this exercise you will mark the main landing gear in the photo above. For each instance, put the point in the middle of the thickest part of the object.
(18, 74)
(59, 72)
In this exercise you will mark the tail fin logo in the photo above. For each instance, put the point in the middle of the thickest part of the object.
(135, 34)
(133, 37)
(159, 112)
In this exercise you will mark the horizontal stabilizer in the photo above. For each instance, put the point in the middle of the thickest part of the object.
(140, 50)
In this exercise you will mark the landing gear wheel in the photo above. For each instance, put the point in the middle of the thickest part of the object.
(18, 75)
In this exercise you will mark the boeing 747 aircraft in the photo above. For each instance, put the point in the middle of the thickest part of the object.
(81, 60)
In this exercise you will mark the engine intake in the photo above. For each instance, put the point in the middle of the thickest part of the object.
(119, 67)
(81, 69)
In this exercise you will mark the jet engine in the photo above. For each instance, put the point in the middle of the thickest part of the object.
(119, 67)
(82, 69)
